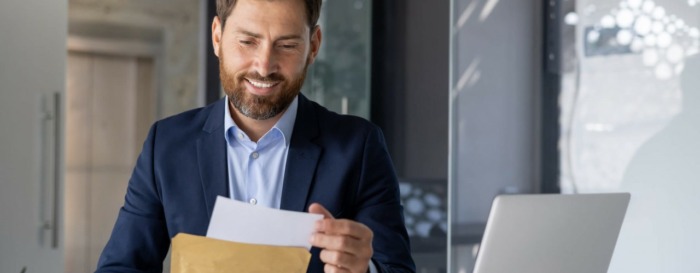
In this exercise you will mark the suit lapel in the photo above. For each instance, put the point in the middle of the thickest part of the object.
(302, 158)
(211, 157)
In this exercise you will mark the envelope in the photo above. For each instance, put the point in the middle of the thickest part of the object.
(199, 254)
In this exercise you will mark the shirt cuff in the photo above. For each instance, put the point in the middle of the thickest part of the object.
(372, 267)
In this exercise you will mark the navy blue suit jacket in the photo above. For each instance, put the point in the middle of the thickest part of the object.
(338, 161)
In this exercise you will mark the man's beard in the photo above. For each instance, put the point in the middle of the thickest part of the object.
(256, 106)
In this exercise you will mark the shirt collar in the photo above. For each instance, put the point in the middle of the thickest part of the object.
(285, 124)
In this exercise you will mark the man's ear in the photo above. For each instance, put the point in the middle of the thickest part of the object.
(216, 29)
(316, 36)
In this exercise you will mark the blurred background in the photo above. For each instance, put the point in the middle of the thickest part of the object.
(475, 98)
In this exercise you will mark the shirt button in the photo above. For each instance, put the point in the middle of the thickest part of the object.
(253, 201)
(255, 155)
(240, 135)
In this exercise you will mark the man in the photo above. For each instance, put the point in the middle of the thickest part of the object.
(268, 145)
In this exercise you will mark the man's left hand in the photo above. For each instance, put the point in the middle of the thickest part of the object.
(346, 246)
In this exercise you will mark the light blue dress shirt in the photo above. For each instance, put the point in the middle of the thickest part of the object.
(256, 170)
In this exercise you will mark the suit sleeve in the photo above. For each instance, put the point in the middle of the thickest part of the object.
(139, 240)
(379, 207)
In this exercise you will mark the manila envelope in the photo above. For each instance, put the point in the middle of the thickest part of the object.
(199, 254)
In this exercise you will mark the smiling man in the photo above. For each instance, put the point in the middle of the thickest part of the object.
(266, 144)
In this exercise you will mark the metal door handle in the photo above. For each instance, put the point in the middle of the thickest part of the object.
(57, 158)
(51, 160)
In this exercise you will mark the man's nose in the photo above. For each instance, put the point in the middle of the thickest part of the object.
(265, 61)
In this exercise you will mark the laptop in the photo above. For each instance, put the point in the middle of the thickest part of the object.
(551, 233)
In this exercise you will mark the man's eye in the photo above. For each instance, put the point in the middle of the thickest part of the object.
(289, 46)
(245, 42)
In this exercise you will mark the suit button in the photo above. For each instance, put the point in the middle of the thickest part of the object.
(253, 201)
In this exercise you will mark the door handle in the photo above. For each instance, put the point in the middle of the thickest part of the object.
(51, 169)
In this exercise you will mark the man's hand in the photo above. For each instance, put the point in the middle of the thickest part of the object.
(346, 246)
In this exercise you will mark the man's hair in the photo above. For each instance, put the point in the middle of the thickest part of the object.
(313, 10)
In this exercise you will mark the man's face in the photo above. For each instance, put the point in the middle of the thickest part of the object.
(264, 50)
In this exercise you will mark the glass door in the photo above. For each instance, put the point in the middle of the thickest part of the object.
(493, 118)
(629, 122)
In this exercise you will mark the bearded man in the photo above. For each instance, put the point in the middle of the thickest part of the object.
(266, 144)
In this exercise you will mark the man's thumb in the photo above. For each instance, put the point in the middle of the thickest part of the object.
(319, 209)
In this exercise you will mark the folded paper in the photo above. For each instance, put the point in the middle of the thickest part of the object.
(245, 223)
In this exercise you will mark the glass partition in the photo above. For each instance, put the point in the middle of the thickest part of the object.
(629, 122)
(339, 78)
(494, 77)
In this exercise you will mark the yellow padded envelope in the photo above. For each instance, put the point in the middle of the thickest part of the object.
(199, 254)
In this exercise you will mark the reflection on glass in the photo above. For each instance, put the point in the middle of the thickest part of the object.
(639, 50)
(629, 94)
(493, 74)
(425, 215)
(425, 209)
(339, 78)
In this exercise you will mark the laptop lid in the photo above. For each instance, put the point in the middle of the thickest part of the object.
(550, 233)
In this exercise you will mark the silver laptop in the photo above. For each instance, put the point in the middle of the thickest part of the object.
(551, 233)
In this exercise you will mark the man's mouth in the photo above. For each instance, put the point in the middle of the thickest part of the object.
(262, 84)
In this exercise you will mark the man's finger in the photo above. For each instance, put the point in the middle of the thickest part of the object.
(319, 209)
(345, 227)
(329, 268)
(337, 258)
(337, 242)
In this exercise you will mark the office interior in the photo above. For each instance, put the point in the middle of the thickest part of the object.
(475, 98)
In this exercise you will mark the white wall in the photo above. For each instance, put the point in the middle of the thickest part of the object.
(32, 63)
